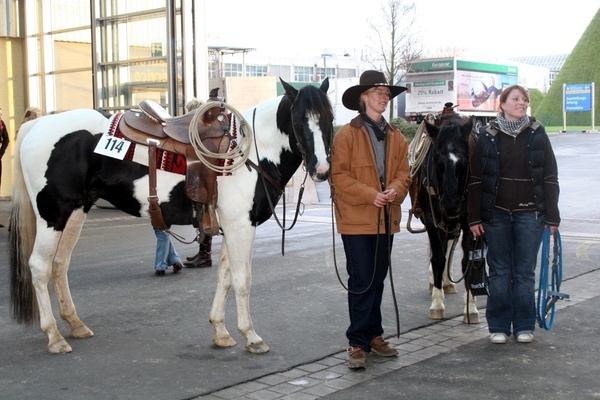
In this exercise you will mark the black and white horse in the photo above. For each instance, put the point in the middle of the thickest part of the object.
(442, 196)
(58, 178)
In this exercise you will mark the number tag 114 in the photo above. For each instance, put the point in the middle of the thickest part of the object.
(112, 146)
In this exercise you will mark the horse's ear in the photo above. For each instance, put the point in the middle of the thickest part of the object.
(431, 129)
(467, 128)
(289, 89)
(325, 86)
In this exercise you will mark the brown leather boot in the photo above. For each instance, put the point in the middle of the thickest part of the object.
(357, 358)
(382, 348)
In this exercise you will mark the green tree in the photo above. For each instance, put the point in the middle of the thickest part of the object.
(582, 66)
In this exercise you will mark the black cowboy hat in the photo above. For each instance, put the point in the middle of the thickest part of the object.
(368, 80)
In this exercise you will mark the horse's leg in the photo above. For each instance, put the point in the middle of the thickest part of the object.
(470, 312)
(438, 262)
(40, 263)
(447, 284)
(221, 338)
(240, 257)
(60, 267)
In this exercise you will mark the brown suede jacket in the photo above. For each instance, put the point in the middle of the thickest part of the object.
(355, 180)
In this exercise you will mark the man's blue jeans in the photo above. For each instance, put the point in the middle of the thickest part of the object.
(513, 244)
(166, 254)
(365, 308)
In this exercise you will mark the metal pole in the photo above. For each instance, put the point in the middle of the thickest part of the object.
(171, 58)
(593, 108)
(564, 108)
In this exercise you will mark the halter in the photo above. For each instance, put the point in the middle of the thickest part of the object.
(281, 192)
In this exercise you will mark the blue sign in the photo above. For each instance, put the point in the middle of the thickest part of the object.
(578, 97)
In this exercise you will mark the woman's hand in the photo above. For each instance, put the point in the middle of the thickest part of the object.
(477, 230)
(385, 197)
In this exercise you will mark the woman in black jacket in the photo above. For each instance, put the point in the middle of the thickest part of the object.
(513, 196)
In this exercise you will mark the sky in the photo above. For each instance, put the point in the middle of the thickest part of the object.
(309, 28)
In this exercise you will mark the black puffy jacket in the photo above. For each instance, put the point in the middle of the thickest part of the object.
(542, 173)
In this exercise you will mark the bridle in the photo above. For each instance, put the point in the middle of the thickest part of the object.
(433, 191)
(281, 192)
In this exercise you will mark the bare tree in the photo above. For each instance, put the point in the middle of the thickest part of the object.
(396, 41)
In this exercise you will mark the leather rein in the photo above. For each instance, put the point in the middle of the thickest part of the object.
(280, 191)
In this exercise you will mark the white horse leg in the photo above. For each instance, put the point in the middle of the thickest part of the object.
(436, 311)
(60, 267)
(447, 277)
(470, 312)
(221, 338)
(239, 249)
(447, 284)
(40, 264)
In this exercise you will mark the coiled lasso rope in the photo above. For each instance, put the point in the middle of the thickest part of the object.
(418, 148)
(549, 292)
(239, 148)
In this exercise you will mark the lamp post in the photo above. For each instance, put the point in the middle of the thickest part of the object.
(325, 54)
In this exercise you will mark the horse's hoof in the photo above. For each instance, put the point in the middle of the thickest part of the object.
(60, 347)
(471, 319)
(450, 289)
(258, 348)
(82, 332)
(224, 342)
(436, 314)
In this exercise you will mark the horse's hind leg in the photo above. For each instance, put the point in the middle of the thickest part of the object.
(40, 264)
(60, 267)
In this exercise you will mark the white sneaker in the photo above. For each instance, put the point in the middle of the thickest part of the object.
(498, 338)
(525, 337)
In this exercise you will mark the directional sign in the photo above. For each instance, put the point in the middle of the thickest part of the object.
(578, 97)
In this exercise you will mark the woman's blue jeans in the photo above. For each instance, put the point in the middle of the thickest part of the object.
(513, 244)
(365, 308)
(166, 254)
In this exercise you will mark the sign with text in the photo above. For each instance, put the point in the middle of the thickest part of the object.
(578, 97)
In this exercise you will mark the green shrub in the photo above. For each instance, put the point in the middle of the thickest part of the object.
(407, 129)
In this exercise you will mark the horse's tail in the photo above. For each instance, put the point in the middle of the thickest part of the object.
(22, 236)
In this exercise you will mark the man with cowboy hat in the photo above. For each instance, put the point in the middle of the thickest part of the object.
(370, 179)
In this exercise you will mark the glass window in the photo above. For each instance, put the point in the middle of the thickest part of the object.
(304, 74)
(233, 69)
(256, 70)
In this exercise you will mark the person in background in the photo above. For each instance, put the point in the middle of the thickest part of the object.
(4, 140)
(203, 258)
(370, 178)
(513, 195)
(166, 254)
(31, 113)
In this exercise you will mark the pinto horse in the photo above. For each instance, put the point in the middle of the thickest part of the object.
(58, 178)
(442, 196)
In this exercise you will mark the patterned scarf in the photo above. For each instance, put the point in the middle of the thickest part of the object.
(512, 127)
(379, 128)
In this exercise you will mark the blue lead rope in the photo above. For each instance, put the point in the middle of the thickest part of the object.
(549, 294)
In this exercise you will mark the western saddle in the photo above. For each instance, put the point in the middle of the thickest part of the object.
(152, 126)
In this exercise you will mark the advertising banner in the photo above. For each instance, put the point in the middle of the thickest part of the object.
(479, 84)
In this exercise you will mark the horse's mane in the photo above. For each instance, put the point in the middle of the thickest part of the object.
(316, 101)
(309, 98)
